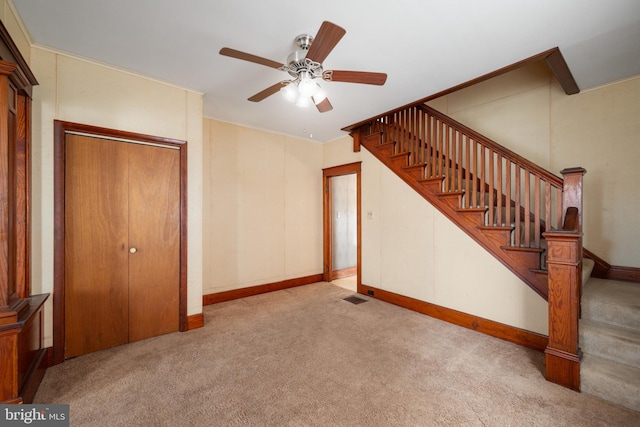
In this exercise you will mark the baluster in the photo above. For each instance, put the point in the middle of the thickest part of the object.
(439, 149)
(412, 136)
(483, 181)
(402, 129)
(547, 206)
(421, 138)
(429, 138)
(474, 174)
(416, 136)
(507, 187)
(459, 161)
(446, 158)
(491, 187)
(536, 212)
(394, 133)
(518, 229)
(470, 194)
(527, 209)
(499, 190)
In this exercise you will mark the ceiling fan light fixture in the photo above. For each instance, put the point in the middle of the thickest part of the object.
(290, 92)
(303, 101)
(307, 86)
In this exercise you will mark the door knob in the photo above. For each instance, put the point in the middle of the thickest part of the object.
(133, 250)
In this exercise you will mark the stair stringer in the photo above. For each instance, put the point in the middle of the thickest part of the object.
(523, 262)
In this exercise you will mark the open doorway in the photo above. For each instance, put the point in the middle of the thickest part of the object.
(341, 212)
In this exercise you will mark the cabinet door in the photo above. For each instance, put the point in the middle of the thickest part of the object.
(154, 241)
(96, 244)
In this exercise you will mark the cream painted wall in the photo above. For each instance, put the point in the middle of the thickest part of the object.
(262, 207)
(339, 152)
(417, 252)
(603, 126)
(76, 90)
(527, 112)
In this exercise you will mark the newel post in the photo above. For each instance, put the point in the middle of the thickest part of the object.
(564, 263)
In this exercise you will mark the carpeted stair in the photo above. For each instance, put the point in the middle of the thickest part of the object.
(610, 341)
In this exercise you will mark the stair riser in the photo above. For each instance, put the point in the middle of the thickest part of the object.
(621, 387)
(607, 389)
(610, 346)
(597, 311)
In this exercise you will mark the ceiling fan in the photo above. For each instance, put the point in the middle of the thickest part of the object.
(305, 65)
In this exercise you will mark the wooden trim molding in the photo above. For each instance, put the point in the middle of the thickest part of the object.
(60, 129)
(195, 321)
(34, 376)
(259, 289)
(345, 272)
(504, 332)
(627, 274)
(24, 78)
(604, 270)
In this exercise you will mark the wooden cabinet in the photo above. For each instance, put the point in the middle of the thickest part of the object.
(22, 356)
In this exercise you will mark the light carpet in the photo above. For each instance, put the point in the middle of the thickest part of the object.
(305, 357)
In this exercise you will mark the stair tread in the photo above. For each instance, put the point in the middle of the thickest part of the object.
(613, 291)
(612, 301)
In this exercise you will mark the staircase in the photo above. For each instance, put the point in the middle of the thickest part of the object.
(531, 221)
(500, 199)
(610, 341)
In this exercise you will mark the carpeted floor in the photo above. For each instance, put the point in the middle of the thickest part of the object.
(306, 357)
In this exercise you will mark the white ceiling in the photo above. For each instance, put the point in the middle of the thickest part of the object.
(425, 46)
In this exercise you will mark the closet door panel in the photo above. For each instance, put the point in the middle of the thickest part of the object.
(154, 241)
(96, 244)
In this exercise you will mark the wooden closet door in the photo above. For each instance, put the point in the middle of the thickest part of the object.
(96, 244)
(154, 240)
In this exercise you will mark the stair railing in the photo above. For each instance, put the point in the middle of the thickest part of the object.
(542, 209)
(516, 192)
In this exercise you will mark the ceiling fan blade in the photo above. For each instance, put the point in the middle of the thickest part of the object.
(363, 77)
(248, 57)
(324, 106)
(327, 38)
(267, 92)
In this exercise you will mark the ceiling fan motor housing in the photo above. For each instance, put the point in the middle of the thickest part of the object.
(298, 65)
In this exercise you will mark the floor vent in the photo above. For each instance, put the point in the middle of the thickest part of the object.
(355, 300)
